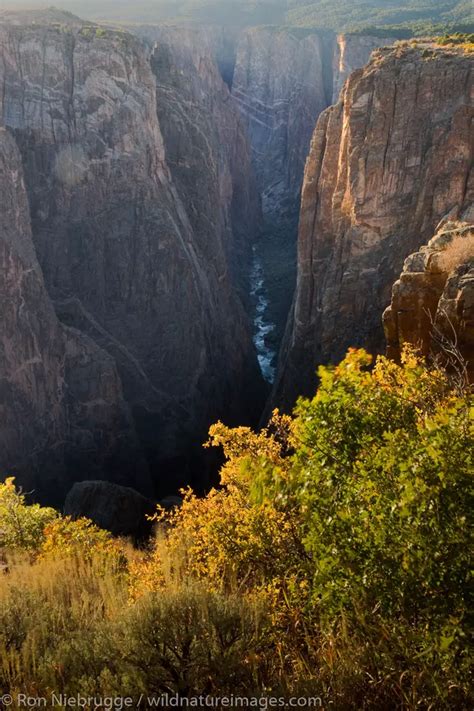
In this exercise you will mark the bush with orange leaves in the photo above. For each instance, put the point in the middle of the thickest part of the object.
(235, 540)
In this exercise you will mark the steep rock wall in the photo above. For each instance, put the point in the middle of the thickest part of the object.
(279, 87)
(207, 149)
(387, 163)
(352, 52)
(211, 41)
(120, 257)
(282, 82)
(62, 412)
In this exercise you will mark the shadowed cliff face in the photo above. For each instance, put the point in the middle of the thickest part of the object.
(122, 259)
(207, 150)
(278, 85)
(61, 404)
(282, 82)
(387, 163)
(215, 43)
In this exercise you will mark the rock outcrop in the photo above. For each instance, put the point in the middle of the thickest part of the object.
(387, 163)
(122, 259)
(61, 407)
(118, 509)
(432, 303)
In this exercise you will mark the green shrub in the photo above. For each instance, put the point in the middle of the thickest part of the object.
(350, 524)
(193, 641)
(65, 537)
(384, 470)
(21, 525)
(383, 479)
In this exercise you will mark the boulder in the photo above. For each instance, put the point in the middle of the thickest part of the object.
(119, 509)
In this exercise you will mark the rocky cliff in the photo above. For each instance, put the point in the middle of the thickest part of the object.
(207, 149)
(279, 87)
(123, 260)
(282, 82)
(387, 163)
(432, 304)
(215, 42)
(62, 411)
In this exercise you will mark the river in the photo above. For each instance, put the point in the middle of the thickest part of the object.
(261, 323)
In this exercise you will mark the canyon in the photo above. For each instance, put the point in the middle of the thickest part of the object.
(282, 81)
(151, 178)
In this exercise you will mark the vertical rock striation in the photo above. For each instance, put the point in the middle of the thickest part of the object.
(282, 82)
(215, 42)
(207, 149)
(279, 87)
(61, 406)
(123, 260)
(387, 163)
(352, 52)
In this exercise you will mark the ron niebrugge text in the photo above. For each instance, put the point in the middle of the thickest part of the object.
(164, 701)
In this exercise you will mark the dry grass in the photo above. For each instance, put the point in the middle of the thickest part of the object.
(458, 41)
(51, 612)
(459, 251)
(68, 625)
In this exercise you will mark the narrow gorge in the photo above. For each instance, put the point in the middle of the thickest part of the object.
(279, 82)
(152, 180)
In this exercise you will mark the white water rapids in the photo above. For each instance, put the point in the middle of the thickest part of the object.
(262, 326)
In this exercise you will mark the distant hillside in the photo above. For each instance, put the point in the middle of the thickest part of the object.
(418, 16)
(399, 16)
